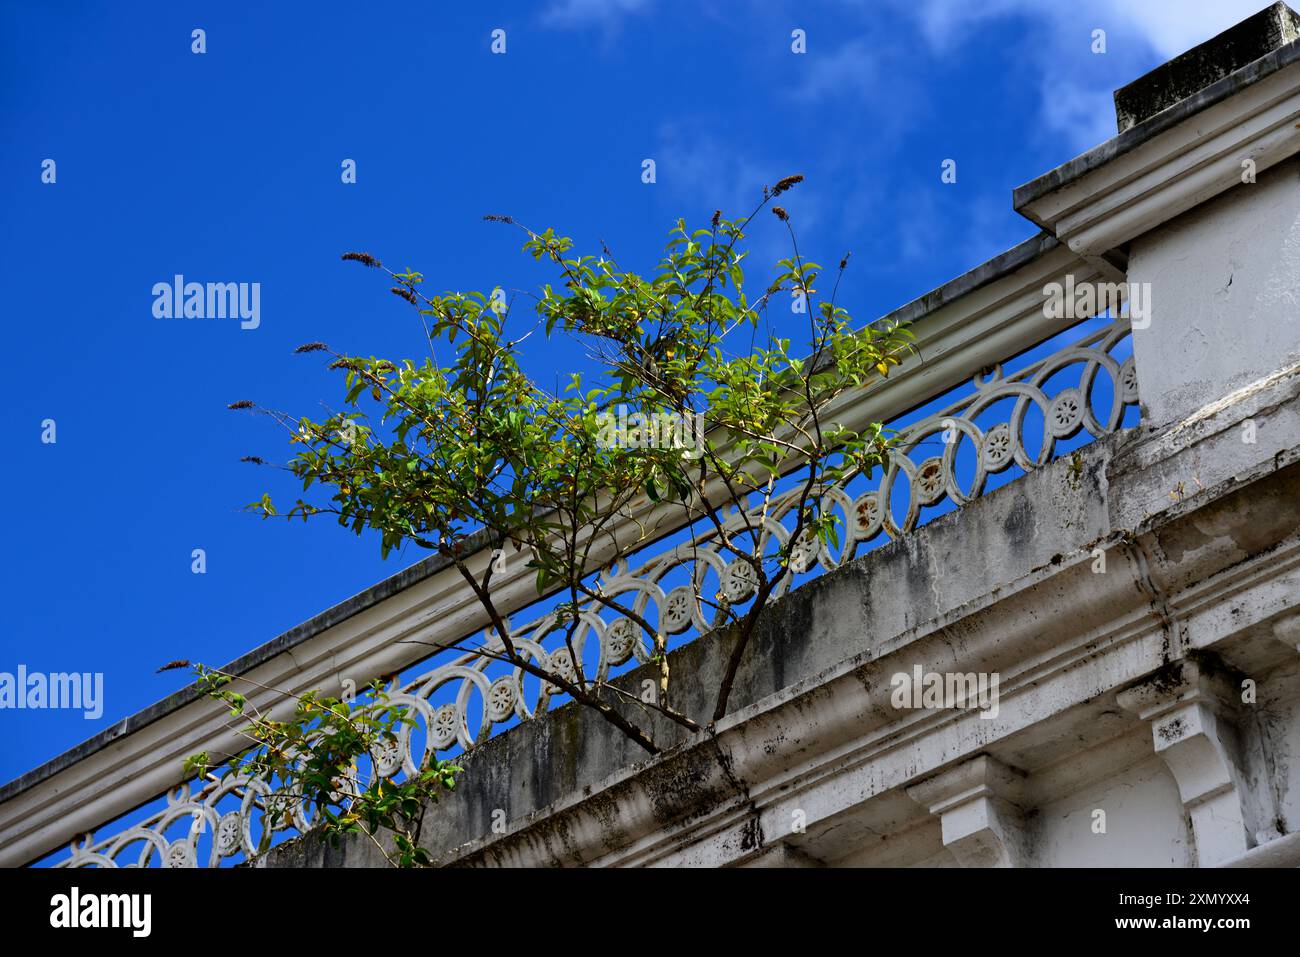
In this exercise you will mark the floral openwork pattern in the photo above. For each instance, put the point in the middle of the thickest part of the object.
(468, 696)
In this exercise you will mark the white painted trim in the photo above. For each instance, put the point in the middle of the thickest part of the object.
(1283, 852)
(1180, 168)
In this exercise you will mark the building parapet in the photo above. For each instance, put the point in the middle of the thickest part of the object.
(1066, 639)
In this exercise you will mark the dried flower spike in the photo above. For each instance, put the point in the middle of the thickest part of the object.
(364, 258)
(783, 184)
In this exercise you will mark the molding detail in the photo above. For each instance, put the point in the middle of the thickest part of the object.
(977, 806)
(1108, 196)
(1287, 630)
(1195, 737)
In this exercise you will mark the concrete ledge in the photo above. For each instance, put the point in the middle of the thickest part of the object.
(1203, 65)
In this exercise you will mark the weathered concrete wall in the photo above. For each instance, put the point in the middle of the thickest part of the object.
(1004, 583)
(957, 560)
(1225, 296)
(841, 615)
(1145, 825)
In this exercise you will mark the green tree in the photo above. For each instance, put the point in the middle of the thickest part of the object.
(330, 763)
(464, 441)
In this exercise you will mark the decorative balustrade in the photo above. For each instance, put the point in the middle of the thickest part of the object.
(469, 694)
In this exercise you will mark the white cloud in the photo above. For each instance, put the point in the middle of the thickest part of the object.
(580, 13)
(1169, 26)
(1175, 26)
(854, 66)
(710, 173)
(1057, 45)
(699, 171)
(1082, 115)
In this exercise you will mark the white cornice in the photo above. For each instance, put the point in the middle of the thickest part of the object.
(1116, 198)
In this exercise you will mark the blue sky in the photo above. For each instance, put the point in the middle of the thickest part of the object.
(225, 167)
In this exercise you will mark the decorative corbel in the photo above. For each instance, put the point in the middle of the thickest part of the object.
(978, 806)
